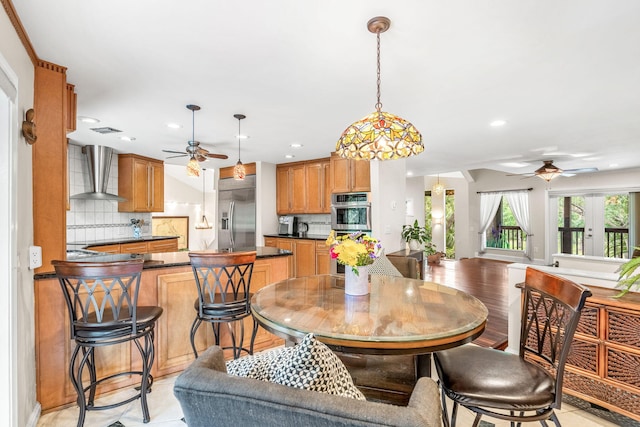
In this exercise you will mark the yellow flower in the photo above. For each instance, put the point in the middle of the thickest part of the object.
(355, 250)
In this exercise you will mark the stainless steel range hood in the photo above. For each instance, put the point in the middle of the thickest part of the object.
(99, 163)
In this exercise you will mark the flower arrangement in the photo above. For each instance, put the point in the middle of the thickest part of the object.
(355, 249)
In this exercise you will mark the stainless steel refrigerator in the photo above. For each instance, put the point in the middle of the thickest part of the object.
(237, 213)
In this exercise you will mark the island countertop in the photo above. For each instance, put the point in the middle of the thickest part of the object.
(169, 259)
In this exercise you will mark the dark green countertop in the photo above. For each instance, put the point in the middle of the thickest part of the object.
(168, 259)
(115, 241)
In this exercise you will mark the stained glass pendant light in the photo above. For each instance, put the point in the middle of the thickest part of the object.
(239, 171)
(548, 171)
(203, 224)
(193, 167)
(380, 135)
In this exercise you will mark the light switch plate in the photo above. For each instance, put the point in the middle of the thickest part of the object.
(35, 257)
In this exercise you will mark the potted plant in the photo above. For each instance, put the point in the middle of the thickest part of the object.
(415, 235)
(432, 254)
(629, 277)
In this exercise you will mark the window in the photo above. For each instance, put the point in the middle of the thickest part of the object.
(504, 231)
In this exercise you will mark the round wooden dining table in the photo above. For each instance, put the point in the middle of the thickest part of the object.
(398, 316)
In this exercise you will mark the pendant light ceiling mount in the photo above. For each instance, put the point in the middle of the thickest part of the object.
(380, 135)
(239, 171)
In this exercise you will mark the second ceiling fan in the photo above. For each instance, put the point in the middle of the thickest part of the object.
(548, 171)
(193, 149)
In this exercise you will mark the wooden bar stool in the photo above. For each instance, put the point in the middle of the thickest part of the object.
(223, 280)
(101, 300)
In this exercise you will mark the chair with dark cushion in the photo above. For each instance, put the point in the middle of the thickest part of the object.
(518, 387)
(102, 303)
(223, 280)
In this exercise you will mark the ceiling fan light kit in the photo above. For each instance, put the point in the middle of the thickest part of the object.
(239, 171)
(548, 171)
(380, 135)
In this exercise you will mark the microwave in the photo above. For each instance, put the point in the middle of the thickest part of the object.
(351, 212)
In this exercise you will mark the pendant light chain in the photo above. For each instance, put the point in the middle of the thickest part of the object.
(378, 104)
(238, 140)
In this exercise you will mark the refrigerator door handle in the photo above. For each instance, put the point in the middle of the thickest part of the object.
(231, 215)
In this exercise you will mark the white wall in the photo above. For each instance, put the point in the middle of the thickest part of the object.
(19, 407)
(266, 218)
(388, 197)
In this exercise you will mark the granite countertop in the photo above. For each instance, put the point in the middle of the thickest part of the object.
(115, 241)
(295, 236)
(169, 259)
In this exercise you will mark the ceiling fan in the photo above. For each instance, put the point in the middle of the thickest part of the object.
(548, 171)
(193, 149)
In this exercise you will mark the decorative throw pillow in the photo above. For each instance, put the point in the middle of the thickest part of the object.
(310, 365)
(381, 266)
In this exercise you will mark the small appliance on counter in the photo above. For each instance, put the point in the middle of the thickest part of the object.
(302, 229)
(287, 225)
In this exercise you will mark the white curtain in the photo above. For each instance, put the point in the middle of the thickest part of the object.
(489, 203)
(519, 202)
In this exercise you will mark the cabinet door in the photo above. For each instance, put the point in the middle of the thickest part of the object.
(134, 248)
(109, 249)
(305, 253)
(315, 196)
(140, 185)
(156, 187)
(167, 245)
(326, 187)
(298, 190)
(323, 258)
(360, 175)
(283, 204)
(288, 244)
(271, 242)
(339, 174)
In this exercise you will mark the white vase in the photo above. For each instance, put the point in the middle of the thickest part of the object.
(356, 284)
(415, 245)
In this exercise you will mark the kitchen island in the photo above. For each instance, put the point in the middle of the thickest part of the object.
(167, 281)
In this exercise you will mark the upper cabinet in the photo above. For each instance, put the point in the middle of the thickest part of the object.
(349, 175)
(71, 100)
(141, 182)
(303, 187)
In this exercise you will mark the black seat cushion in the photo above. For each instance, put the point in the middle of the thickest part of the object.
(109, 329)
(478, 376)
(230, 308)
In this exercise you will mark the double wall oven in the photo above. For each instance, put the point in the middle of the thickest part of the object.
(350, 213)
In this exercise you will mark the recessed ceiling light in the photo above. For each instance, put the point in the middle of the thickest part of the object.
(409, 173)
(85, 119)
(242, 136)
(174, 125)
(127, 138)
(613, 165)
(289, 156)
(296, 145)
(497, 123)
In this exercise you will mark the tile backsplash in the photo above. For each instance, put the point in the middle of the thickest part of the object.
(318, 224)
(95, 220)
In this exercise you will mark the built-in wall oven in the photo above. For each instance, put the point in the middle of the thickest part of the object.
(350, 213)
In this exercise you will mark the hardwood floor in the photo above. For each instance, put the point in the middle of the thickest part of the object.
(484, 279)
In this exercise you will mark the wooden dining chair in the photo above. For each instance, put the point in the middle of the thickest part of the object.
(520, 387)
(223, 280)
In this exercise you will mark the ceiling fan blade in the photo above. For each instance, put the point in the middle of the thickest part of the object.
(580, 170)
(174, 152)
(173, 157)
(217, 156)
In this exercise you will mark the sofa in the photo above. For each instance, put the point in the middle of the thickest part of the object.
(210, 397)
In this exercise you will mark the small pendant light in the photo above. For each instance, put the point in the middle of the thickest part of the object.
(203, 224)
(193, 167)
(380, 135)
(239, 172)
(438, 188)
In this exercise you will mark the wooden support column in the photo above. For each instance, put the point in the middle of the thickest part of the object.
(50, 163)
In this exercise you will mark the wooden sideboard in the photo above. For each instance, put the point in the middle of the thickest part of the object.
(173, 289)
(602, 367)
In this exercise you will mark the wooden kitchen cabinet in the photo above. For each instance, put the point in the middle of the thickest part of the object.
(141, 247)
(304, 261)
(323, 258)
(303, 187)
(349, 176)
(141, 182)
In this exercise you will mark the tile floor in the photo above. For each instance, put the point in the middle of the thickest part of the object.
(165, 412)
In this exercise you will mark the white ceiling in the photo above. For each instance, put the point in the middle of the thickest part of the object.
(564, 75)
